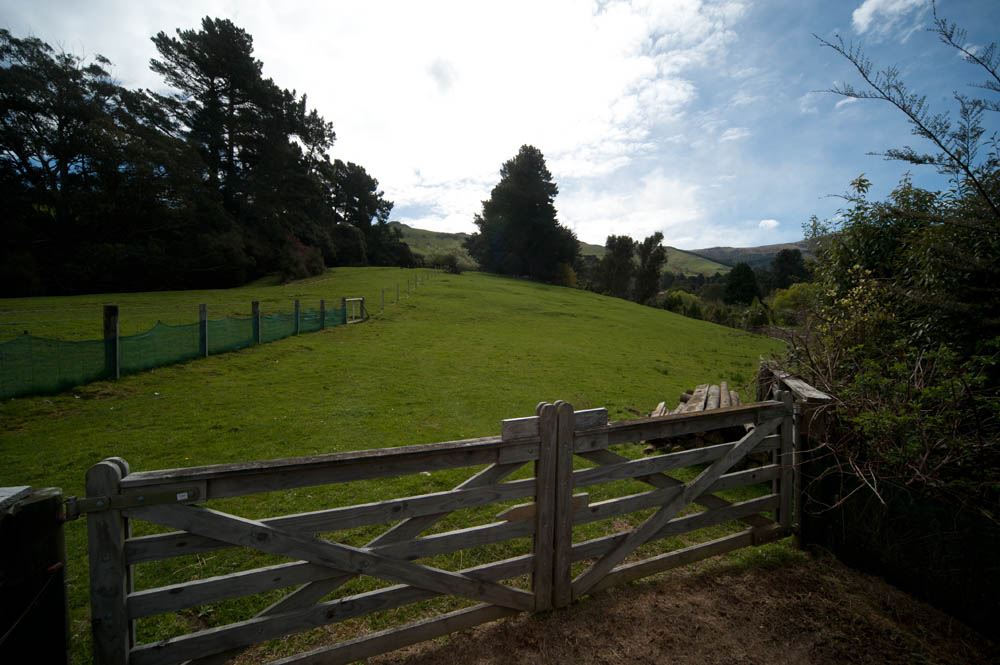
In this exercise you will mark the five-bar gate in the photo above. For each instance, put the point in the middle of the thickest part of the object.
(550, 456)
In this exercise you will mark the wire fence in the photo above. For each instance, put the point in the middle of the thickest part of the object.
(31, 365)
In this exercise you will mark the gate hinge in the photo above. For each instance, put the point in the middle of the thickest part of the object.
(76, 506)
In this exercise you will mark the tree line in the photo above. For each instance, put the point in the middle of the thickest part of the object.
(224, 178)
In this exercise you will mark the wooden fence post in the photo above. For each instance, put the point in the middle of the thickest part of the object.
(545, 505)
(255, 312)
(786, 459)
(322, 314)
(109, 579)
(562, 541)
(33, 615)
(297, 312)
(112, 344)
(203, 330)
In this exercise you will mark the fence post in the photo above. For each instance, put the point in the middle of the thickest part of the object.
(296, 317)
(255, 313)
(33, 615)
(322, 314)
(109, 579)
(203, 330)
(545, 499)
(787, 485)
(112, 343)
(562, 543)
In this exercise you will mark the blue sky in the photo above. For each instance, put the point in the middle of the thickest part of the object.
(703, 120)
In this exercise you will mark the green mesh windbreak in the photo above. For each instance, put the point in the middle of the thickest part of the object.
(276, 326)
(229, 334)
(34, 365)
(162, 345)
(309, 321)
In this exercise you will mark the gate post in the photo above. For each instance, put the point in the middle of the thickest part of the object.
(109, 575)
(786, 460)
(562, 591)
(34, 616)
(545, 504)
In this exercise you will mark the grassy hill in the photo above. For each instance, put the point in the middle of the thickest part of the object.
(450, 361)
(754, 256)
(430, 243)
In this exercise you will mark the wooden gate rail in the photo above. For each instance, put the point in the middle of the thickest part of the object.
(549, 441)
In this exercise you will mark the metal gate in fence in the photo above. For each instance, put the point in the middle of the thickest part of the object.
(550, 455)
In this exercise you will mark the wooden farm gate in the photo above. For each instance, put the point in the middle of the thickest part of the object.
(554, 453)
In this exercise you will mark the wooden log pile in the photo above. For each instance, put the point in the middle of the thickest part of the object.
(704, 397)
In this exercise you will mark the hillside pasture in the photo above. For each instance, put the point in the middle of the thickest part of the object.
(462, 353)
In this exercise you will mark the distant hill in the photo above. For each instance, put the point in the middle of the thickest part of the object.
(678, 261)
(755, 257)
(429, 243)
(686, 262)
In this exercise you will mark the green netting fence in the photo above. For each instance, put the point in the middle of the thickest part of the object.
(32, 365)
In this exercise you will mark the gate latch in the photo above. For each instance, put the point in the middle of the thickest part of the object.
(76, 506)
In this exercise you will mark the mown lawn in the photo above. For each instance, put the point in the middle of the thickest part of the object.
(449, 362)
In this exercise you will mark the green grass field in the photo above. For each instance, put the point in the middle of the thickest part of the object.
(449, 362)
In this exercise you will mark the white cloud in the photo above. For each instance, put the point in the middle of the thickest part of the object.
(882, 17)
(734, 134)
(657, 202)
(846, 101)
(768, 224)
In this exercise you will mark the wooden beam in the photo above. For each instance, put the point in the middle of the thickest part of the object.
(605, 457)
(646, 429)
(647, 529)
(354, 560)
(657, 464)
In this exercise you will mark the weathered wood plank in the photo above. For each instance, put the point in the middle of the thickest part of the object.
(725, 399)
(647, 429)
(395, 638)
(159, 546)
(109, 584)
(358, 561)
(590, 418)
(712, 400)
(311, 593)
(681, 557)
(567, 505)
(545, 506)
(233, 637)
(628, 504)
(787, 462)
(697, 401)
(803, 391)
(268, 475)
(597, 547)
(585, 581)
(605, 457)
(734, 398)
(657, 464)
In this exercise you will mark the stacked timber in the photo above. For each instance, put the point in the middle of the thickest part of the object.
(704, 397)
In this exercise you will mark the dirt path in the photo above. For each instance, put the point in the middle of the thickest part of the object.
(809, 611)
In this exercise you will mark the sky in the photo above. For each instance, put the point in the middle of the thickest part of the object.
(707, 121)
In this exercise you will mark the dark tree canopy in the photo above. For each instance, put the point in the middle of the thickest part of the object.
(741, 285)
(652, 257)
(787, 268)
(224, 179)
(518, 230)
(617, 268)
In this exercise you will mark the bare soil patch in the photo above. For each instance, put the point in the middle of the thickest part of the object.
(813, 610)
